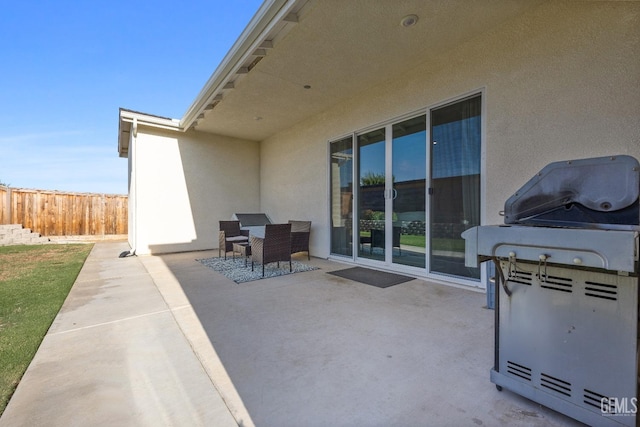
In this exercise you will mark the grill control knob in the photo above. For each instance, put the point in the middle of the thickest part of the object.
(543, 257)
(577, 260)
(512, 254)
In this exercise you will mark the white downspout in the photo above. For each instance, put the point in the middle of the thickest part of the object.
(134, 179)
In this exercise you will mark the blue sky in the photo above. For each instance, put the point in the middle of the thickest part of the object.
(67, 67)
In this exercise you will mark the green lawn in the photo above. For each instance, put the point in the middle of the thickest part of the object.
(34, 282)
(437, 244)
(412, 240)
(455, 245)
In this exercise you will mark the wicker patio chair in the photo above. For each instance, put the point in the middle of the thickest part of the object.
(274, 247)
(229, 234)
(300, 232)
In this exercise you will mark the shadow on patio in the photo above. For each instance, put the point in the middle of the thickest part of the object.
(313, 349)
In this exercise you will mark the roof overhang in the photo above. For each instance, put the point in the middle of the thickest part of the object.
(273, 19)
(298, 58)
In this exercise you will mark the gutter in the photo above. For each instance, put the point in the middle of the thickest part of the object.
(134, 117)
(129, 121)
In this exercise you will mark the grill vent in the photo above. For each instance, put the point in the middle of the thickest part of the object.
(521, 277)
(593, 399)
(555, 384)
(556, 283)
(601, 290)
(519, 370)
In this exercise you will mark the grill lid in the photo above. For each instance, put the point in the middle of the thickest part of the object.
(598, 192)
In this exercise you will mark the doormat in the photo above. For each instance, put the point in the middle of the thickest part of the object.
(236, 270)
(380, 279)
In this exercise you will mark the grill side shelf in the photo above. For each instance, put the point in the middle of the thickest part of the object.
(614, 250)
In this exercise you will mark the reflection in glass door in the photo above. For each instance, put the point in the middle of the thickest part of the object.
(455, 184)
(341, 177)
(371, 194)
(398, 220)
(409, 173)
(391, 197)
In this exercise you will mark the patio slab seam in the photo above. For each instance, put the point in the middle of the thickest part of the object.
(124, 319)
(122, 276)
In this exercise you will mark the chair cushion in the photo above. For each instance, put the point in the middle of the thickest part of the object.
(237, 239)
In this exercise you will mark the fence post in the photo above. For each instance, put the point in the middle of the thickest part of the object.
(3, 209)
(9, 205)
(104, 215)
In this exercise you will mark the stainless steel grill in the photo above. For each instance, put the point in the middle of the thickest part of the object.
(566, 329)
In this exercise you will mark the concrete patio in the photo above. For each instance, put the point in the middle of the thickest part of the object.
(164, 340)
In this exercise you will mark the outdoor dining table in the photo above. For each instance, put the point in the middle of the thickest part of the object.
(257, 230)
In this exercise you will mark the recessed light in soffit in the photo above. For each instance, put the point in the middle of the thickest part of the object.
(409, 21)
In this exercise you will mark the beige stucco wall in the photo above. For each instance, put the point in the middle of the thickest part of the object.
(182, 184)
(561, 82)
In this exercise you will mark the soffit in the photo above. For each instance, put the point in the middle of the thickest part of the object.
(342, 48)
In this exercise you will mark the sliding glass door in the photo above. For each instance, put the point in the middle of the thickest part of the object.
(455, 184)
(372, 194)
(402, 193)
(409, 172)
(391, 193)
(341, 190)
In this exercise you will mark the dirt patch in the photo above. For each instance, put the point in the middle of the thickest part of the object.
(16, 261)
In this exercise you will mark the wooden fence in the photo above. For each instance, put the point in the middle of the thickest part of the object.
(54, 213)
